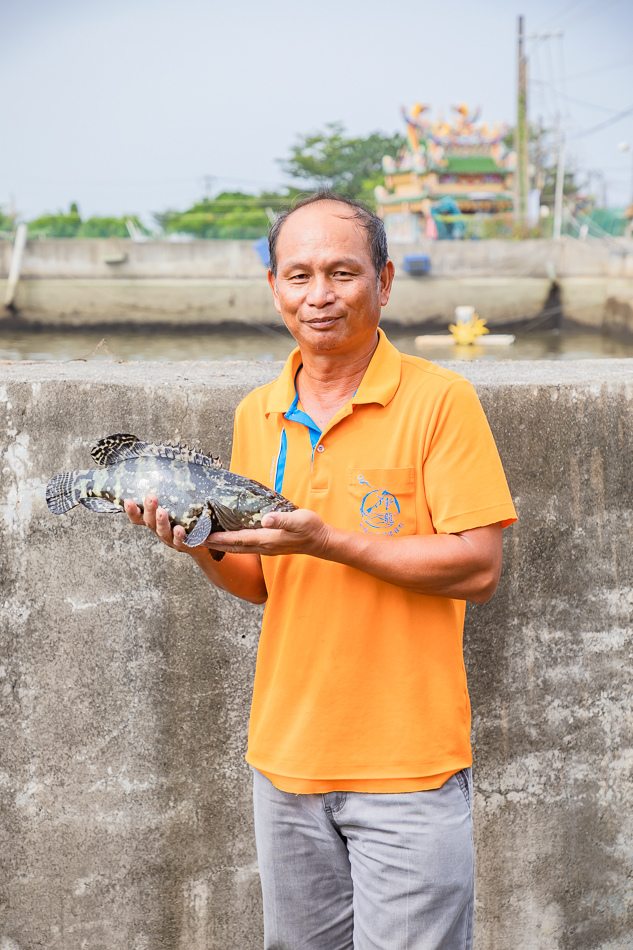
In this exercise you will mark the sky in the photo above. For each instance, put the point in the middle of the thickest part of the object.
(126, 106)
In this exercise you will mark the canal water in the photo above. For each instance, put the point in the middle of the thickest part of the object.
(266, 344)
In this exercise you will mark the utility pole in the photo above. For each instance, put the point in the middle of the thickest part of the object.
(521, 134)
(560, 183)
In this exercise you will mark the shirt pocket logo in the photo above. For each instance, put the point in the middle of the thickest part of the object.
(384, 500)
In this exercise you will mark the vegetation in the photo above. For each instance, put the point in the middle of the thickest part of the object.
(232, 214)
(70, 225)
(543, 161)
(351, 165)
(6, 222)
(324, 159)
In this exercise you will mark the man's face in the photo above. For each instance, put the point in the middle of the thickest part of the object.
(326, 289)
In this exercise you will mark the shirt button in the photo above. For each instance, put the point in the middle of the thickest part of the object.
(320, 448)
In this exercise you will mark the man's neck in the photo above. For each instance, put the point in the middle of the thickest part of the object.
(328, 381)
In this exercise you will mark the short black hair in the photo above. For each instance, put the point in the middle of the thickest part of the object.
(376, 237)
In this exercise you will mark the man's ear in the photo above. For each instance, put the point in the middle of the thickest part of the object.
(272, 281)
(385, 281)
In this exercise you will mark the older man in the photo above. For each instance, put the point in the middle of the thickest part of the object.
(359, 731)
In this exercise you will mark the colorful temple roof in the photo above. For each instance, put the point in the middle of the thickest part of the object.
(463, 160)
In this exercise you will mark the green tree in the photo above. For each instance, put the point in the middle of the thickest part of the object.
(352, 166)
(106, 227)
(6, 222)
(230, 215)
(58, 225)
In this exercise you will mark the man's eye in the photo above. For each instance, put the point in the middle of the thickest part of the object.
(342, 273)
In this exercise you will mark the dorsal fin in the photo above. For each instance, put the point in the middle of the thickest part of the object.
(117, 448)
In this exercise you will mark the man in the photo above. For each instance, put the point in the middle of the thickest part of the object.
(359, 732)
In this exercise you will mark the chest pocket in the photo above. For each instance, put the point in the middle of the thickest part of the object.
(382, 501)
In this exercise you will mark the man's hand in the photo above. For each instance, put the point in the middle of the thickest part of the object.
(157, 520)
(282, 532)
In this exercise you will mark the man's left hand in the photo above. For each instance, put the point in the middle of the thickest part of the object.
(282, 532)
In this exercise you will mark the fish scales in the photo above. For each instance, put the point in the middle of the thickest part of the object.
(192, 487)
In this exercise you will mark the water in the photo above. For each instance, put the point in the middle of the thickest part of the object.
(265, 344)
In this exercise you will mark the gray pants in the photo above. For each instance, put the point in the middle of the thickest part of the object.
(357, 871)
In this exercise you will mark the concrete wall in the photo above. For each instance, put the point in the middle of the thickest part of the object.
(125, 678)
(105, 282)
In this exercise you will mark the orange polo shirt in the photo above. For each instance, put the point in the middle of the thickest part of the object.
(360, 685)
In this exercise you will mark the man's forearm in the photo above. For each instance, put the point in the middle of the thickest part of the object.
(238, 574)
(464, 566)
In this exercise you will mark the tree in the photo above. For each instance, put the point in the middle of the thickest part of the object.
(71, 226)
(230, 215)
(6, 222)
(352, 166)
(542, 162)
(58, 225)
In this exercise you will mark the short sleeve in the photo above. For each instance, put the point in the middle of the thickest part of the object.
(464, 481)
(235, 451)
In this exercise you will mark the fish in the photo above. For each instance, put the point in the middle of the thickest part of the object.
(192, 487)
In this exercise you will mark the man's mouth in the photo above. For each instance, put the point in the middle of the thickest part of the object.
(322, 323)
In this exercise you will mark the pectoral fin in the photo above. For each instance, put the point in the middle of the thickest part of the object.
(202, 530)
(226, 517)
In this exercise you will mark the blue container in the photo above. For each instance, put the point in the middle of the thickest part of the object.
(417, 264)
(261, 246)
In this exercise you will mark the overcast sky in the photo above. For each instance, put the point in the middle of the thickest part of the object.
(125, 106)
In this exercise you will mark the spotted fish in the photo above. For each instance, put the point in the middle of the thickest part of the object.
(193, 488)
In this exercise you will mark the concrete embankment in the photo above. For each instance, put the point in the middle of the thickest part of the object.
(125, 678)
(66, 283)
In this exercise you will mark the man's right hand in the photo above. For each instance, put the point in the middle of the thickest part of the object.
(157, 520)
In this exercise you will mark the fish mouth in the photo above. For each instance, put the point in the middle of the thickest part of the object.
(281, 506)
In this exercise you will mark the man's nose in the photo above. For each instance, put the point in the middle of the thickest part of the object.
(320, 292)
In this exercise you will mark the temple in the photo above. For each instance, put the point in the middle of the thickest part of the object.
(446, 171)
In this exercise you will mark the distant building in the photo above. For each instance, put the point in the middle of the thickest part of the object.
(446, 170)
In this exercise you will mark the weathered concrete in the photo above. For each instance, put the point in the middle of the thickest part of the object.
(68, 283)
(125, 678)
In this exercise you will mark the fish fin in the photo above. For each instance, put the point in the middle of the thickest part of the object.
(100, 504)
(217, 555)
(63, 491)
(116, 448)
(226, 518)
(201, 531)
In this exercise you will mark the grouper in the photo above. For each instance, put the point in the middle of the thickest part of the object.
(193, 488)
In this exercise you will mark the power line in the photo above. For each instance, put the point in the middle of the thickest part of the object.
(602, 69)
(582, 102)
(603, 125)
(599, 5)
(564, 12)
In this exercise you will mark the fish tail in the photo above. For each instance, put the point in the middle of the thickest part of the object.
(63, 491)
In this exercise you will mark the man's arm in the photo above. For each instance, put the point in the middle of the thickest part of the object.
(465, 566)
(239, 575)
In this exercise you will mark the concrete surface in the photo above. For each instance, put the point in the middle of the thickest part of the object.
(69, 282)
(125, 678)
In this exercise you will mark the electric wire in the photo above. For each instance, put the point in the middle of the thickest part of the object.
(602, 69)
(603, 125)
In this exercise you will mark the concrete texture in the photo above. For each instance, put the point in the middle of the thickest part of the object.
(67, 283)
(125, 678)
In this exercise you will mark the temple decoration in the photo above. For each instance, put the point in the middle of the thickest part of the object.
(447, 169)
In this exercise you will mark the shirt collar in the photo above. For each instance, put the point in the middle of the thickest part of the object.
(379, 384)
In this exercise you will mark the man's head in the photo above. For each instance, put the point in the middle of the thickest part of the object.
(330, 274)
(373, 226)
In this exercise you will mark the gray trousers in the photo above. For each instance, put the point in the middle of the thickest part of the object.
(357, 871)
